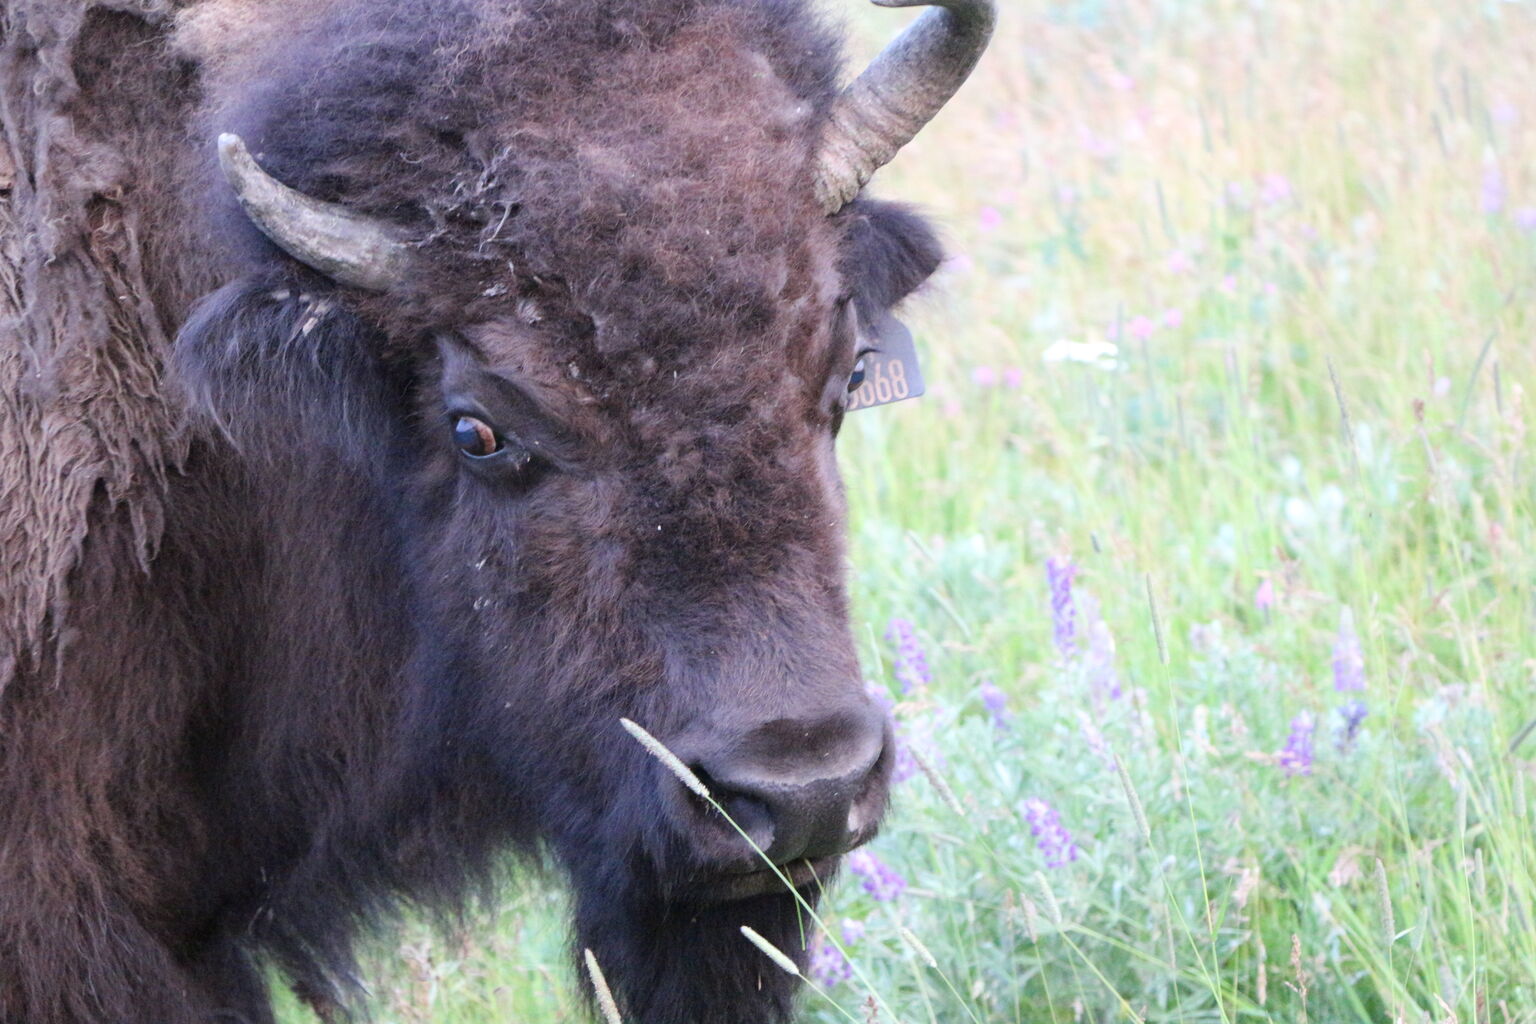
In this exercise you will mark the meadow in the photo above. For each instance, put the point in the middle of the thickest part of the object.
(1201, 580)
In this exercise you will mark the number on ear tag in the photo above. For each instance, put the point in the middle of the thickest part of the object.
(891, 373)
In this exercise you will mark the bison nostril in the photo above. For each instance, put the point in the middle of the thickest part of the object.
(736, 812)
(804, 789)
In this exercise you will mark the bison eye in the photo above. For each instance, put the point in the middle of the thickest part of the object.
(857, 377)
(475, 438)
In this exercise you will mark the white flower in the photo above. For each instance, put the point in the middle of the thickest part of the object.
(1092, 353)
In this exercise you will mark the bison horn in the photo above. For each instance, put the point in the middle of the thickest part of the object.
(343, 245)
(905, 86)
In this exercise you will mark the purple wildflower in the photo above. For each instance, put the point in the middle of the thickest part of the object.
(1099, 658)
(912, 670)
(1274, 188)
(853, 930)
(828, 966)
(1051, 836)
(879, 695)
(1525, 218)
(904, 765)
(993, 700)
(1348, 661)
(1099, 664)
(1141, 327)
(881, 881)
(1172, 318)
(1013, 377)
(990, 218)
(1296, 758)
(1058, 576)
(1352, 715)
(1095, 739)
(1264, 597)
(1492, 193)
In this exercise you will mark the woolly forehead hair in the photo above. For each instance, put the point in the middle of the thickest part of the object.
(639, 166)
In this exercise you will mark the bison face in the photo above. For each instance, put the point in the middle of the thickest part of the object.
(623, 320)
(674, 557)
(654, 532)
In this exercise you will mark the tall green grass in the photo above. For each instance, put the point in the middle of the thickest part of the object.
(1322, 212)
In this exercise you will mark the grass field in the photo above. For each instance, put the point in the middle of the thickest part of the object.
(1237, 337)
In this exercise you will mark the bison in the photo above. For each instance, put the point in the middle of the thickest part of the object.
(398, 395)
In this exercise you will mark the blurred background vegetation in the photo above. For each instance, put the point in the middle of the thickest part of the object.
(1236, 335)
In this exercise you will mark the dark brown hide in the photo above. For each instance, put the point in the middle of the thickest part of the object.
(275, 656)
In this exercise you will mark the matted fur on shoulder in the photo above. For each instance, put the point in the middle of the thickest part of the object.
(95, 273)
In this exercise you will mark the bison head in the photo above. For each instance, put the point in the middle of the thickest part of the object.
(608, 264)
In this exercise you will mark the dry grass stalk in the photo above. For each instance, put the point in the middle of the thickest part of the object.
(1261, 994)
(1157, 622)
(1299, 986)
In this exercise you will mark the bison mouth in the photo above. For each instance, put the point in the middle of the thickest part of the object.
(800, 874)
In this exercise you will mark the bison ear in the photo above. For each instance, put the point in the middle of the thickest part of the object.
(888, 252)
(262, 358)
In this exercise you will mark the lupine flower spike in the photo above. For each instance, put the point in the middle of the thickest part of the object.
(1099, 663)
(1051, 836)
(828, 965)
(1296, 758)
(881, 881)
(1348, 661)
(1349, 677)
(912, 669)
(1352, 715)
(996, 704)
(1059, 573)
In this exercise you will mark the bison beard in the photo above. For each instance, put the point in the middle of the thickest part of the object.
(279, 656)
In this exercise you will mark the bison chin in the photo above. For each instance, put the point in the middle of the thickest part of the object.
(661, 896)
(672, 962)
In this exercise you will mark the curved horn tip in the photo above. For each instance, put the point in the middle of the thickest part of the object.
(232, 150)
(347, 247)
(988, 7)
(900, 91)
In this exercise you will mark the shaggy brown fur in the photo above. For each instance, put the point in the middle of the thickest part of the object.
(87, 304)
(275, 655)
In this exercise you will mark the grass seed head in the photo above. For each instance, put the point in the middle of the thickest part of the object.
(917, 946)
(659, 751)
(939, 784)
(1137, 811)
(605, 1004)
(1384, 905)
(771, 951)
